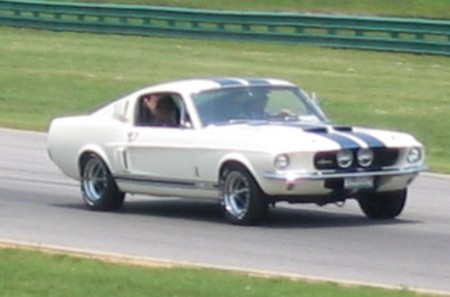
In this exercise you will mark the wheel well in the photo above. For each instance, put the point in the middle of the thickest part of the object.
(235, 163)
(83, 158)
(230, 163)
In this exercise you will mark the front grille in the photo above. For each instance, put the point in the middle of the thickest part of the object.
(385, 156)
(382, 157)
(325, 160)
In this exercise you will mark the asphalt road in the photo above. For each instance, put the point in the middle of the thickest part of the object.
(39, 205)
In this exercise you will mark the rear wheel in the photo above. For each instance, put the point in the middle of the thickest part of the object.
(244, 203)
(383, 205)
(98, 188)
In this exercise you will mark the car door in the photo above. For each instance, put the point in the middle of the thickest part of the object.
(159, 152)
(160, 160)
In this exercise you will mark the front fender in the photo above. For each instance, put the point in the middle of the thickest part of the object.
(255, 163)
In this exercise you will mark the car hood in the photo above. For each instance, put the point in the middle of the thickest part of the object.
(308, 137)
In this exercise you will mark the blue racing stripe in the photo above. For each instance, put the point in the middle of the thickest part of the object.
(228, 82)
(344, 142)
(258, 81)
(369, 139)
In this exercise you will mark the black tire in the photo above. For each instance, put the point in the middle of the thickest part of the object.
(383, 205)
(244, 203)
(98, 188)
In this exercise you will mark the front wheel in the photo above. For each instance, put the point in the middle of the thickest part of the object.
(244, 203)
(98, 188)
(383, 205)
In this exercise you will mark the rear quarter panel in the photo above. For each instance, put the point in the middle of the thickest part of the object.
(69, 137)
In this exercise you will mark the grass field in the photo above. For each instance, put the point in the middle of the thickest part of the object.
(34, 274)
(46, 74)
(411, 8)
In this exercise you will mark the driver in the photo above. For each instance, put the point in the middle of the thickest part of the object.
(255, 107)
(161, 110)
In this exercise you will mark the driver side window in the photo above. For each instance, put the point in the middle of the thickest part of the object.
(160, 110)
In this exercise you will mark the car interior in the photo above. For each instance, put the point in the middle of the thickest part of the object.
(165, 113)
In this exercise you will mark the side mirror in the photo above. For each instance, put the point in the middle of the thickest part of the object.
(316, 102)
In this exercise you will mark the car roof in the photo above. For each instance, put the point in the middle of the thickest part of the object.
(196, 85)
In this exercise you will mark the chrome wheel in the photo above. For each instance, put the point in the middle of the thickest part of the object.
(98, 187)
(94, 179)
(236, 194)
(244, 203)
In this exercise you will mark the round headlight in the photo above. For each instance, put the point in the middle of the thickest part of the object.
(414, 155)
(344, 158)
(365, 157)
(281, 161)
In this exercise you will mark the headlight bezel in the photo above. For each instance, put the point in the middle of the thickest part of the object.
(281, 162)
(414, 155)
(345, 159)
(365, 157)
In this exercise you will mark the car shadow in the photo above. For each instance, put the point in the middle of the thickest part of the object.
(278, 217)
(165, 208)
(283, 217)
(176, 209)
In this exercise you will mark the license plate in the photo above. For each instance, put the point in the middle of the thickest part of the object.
(360, 182)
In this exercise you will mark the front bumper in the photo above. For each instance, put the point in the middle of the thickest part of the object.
(290, 176)
(329, 182)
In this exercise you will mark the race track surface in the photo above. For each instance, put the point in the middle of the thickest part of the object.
(41, 206)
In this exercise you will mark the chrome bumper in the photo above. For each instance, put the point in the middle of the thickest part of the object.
(292, 176)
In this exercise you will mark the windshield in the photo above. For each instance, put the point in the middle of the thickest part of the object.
(242, 104)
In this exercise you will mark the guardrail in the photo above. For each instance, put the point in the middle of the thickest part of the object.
(385, 34)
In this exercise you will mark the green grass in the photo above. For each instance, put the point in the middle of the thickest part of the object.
(400, 8)
(46, 74)
(34, 274)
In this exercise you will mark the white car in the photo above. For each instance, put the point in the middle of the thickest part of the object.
(244, 142)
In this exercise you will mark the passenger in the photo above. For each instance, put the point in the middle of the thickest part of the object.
(151, 101)
(165, 112)
(147, 110)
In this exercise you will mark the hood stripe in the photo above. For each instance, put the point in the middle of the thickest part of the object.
(344, 142)
(258, 81)
(347, 139)
(359, 141)
(228, 82)
(372, 141)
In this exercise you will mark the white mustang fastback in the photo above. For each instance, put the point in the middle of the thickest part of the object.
(245, 142)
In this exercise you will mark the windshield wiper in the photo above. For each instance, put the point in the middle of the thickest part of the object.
(286, 118)
(229, 122)
(240, 121)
